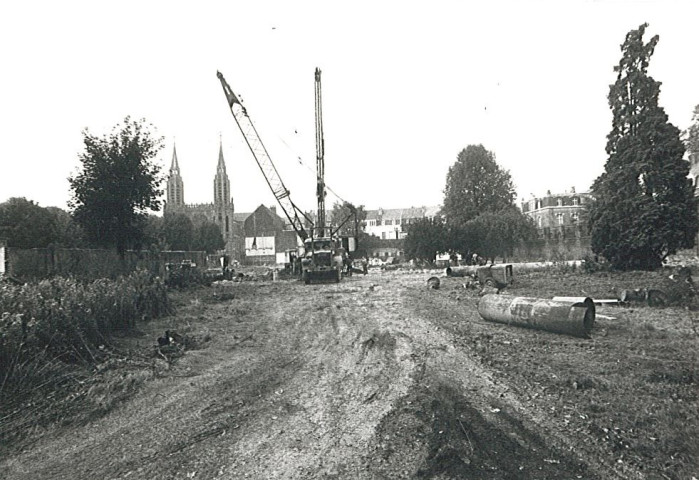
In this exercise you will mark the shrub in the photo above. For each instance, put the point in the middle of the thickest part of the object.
(67, 319)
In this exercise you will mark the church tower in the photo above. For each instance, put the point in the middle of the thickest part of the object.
(223, 205)
(175, 186)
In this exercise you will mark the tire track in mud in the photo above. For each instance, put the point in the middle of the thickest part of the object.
(355, 380)
(350, 378)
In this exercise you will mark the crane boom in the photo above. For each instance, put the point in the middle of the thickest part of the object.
(252, 138)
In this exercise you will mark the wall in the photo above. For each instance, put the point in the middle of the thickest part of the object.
(554, 248)
(90, 264)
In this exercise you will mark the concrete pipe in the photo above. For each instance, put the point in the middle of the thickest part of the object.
(463, 271)
(570, 317)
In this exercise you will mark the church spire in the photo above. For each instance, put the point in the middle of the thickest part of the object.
(221, 167)
(175, 185)
(174, 168)
(222, 186)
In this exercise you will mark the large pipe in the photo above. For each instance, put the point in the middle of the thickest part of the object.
(574, 316)
(463, 271)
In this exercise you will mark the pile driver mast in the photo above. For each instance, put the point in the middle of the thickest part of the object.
(320, 157)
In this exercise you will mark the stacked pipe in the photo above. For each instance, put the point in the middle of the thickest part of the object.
(569, 315)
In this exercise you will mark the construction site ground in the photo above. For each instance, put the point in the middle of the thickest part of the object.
(375, 377)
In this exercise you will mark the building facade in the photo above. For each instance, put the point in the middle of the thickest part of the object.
(221, 211)
(392, 224)
(559, 214)
(267, 240)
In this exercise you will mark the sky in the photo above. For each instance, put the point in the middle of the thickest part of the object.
(406, 86)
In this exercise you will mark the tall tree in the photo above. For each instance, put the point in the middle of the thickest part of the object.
(645, 207)
(118, 183)
(476, 184)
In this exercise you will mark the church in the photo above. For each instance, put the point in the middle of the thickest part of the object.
(256, 238)
(219, 212)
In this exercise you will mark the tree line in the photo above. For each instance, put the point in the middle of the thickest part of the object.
(113, 200)
(643, 209)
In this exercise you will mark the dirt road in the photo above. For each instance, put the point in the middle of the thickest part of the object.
(375, 377)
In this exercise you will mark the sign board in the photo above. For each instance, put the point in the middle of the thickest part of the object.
(259, 246)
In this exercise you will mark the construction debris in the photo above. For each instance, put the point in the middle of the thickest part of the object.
(652, 297)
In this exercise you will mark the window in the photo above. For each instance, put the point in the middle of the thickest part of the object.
(398, 222)
(372, 223)
(576, 201)
(574, 217)
(383, 235)
(559, 202)
(559, 217)
(540, 222)
(388, 222)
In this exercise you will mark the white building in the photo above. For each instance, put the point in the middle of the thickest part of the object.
(393, 223)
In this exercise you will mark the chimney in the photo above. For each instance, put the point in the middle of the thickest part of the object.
(572, 189)
(274, 209)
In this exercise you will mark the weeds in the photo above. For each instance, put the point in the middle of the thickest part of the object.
(63, 320)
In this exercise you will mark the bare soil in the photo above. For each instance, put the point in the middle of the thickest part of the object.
(375, 377)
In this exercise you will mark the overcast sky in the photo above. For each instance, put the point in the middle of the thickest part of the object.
(406, 86)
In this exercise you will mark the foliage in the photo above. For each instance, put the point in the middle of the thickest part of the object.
(118, 183)
(645, 207)
(476, 184)
(426, 238)
(68, 319)
(69, 233)
(24, 224)
(153, 232)
(344, 212)
(692, 134)
(496, 234)
(178, 231)
(208, 237)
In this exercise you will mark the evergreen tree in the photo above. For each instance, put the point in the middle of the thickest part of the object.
(644, 208)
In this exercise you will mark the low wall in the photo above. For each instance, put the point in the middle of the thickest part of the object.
(89, 264)
(553, 250)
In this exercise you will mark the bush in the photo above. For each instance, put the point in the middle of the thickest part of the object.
(593, 264)
(67, 319)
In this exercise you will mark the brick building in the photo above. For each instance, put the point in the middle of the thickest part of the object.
(559, 214)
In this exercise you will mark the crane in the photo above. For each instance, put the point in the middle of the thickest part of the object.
(323, 256)
(269, 171)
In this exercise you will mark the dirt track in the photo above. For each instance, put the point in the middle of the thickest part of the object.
(375, 377)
